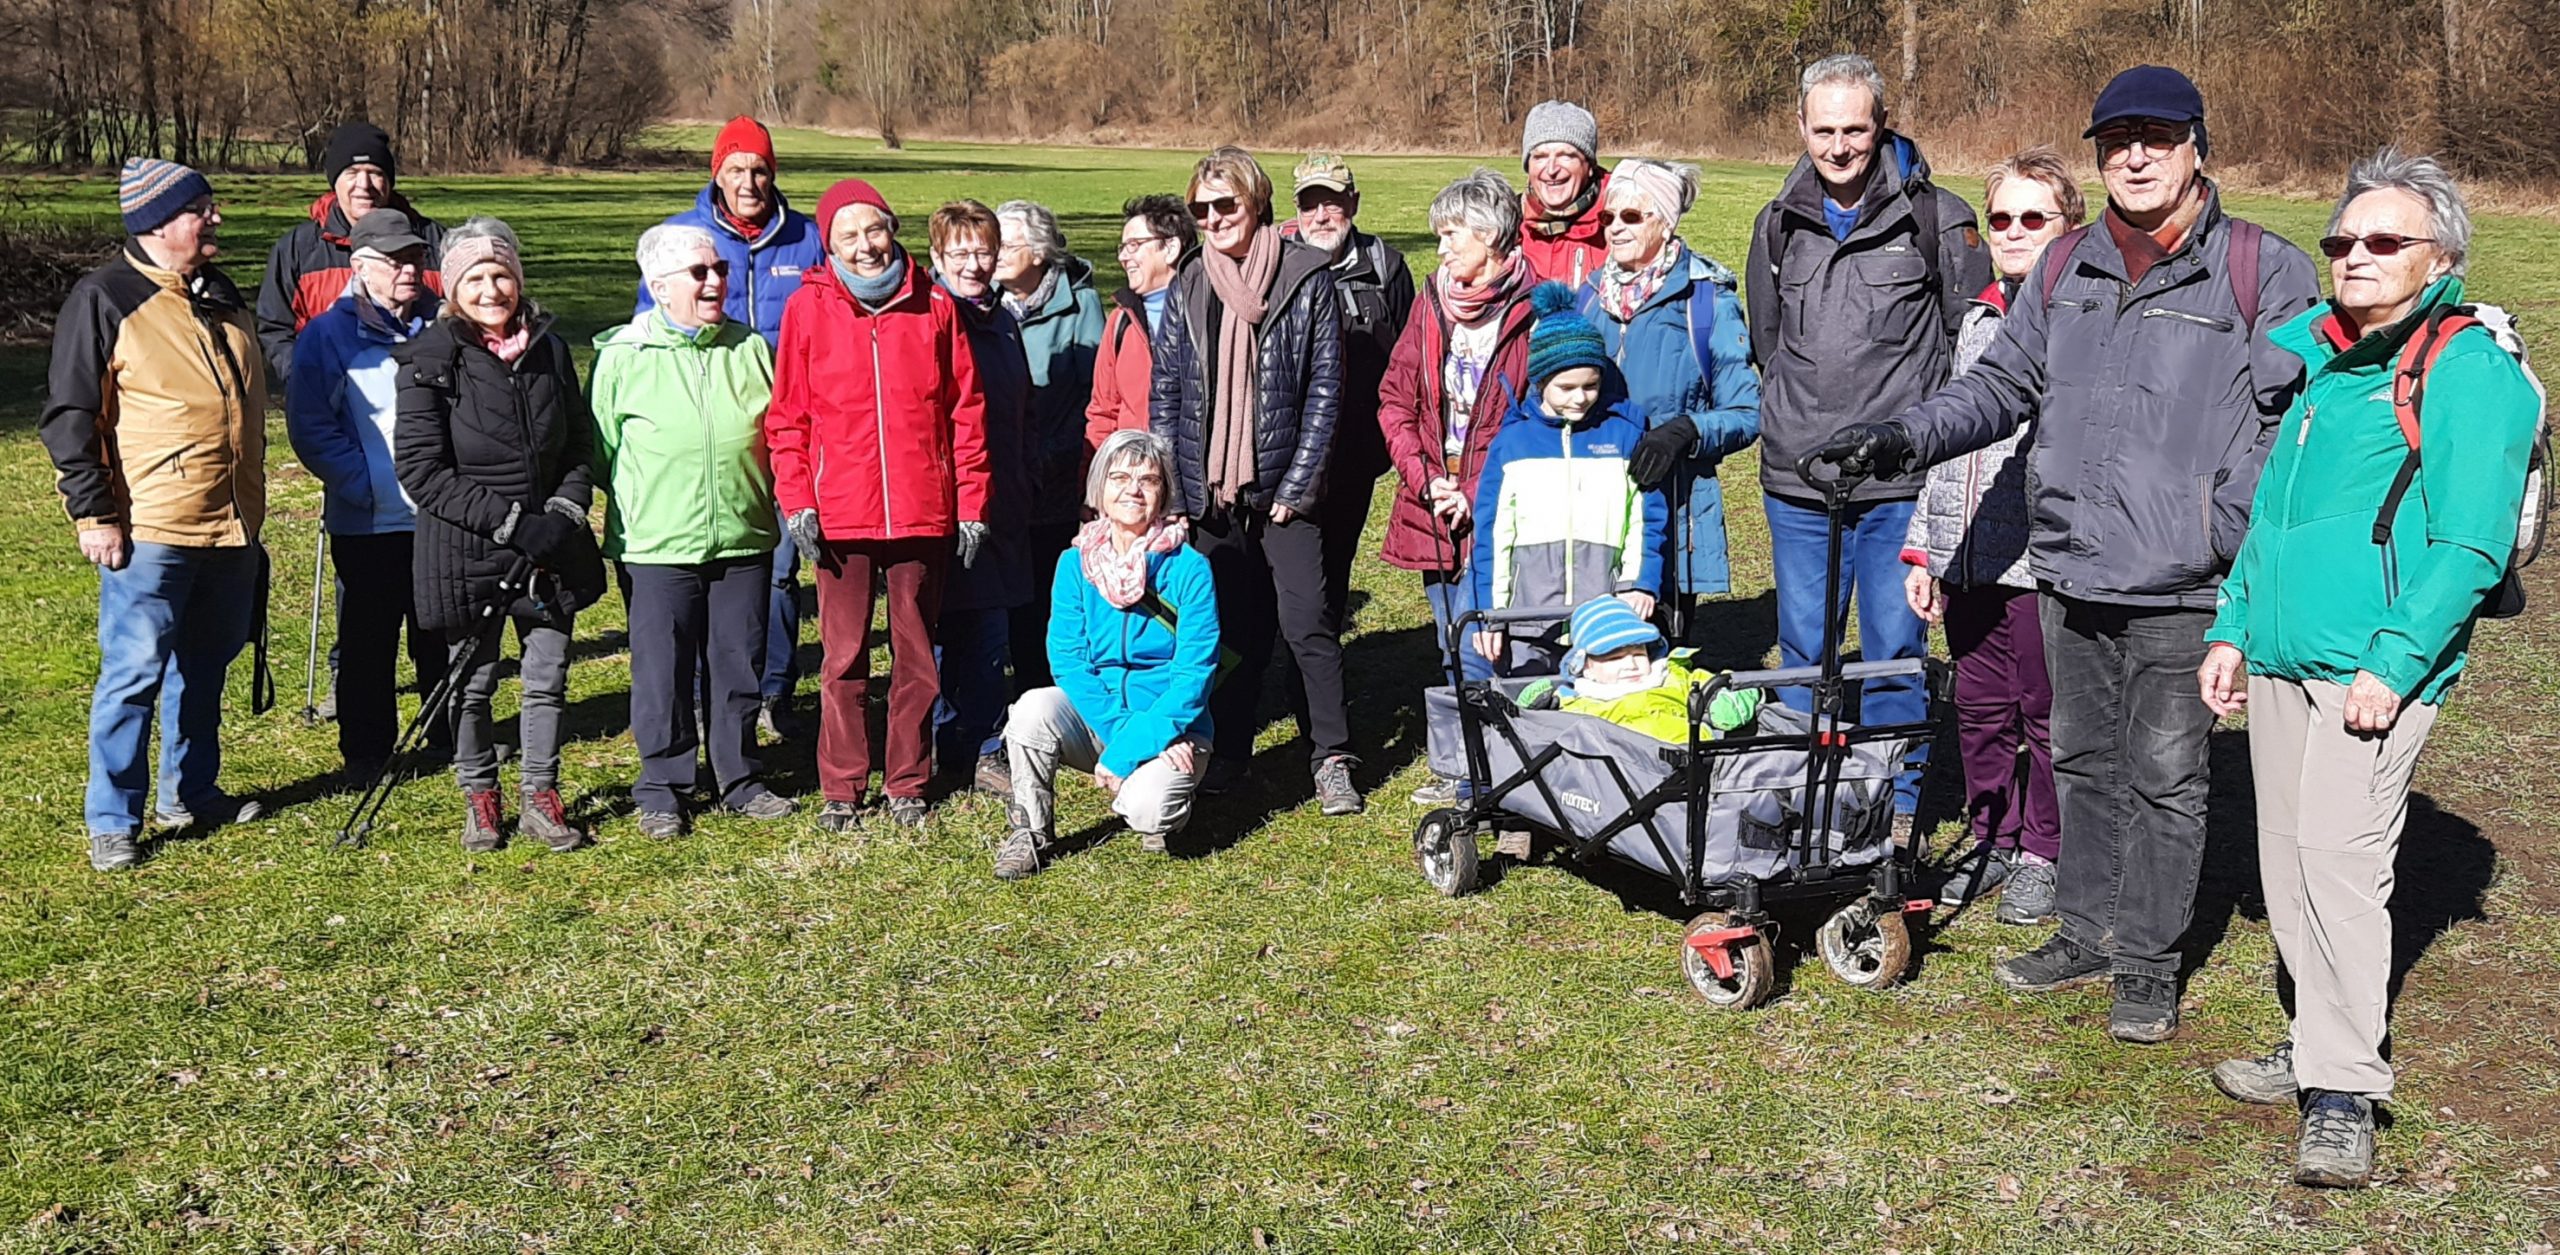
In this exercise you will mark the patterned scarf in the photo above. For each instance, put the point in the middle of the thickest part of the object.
(1120, 575)
(1024, 307)
(1551, 224)
(1242, 287)
(1469, 306)
(1623, 292)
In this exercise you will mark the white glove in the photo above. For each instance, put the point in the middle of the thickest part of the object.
(804, 529)
(972, 535)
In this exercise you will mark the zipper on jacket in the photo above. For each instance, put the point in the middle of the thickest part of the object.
(2183, 316)
(1565, 434)
(880, 428)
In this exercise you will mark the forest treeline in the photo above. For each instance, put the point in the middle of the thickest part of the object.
(2295, 87)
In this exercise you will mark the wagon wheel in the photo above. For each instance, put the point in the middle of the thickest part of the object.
(1750, 970)
(1865, 949)
(1444, 848)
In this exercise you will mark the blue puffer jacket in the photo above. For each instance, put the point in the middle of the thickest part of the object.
(1657, 353)
(762, 274)
(1141, 684)
(340, 406)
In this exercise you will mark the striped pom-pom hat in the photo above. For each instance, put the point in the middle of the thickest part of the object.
(151, 192)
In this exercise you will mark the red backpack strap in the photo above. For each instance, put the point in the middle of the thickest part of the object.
(2058, 255)
(2418, 360)
(2242, 266)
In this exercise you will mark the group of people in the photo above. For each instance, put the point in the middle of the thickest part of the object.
(2086, 448)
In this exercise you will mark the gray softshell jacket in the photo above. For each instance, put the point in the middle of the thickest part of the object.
(1855, 330)
(2153, 410)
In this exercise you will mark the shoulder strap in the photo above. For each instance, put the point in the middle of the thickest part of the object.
(2408, 397)
(1700, 309)
(2243, 269)
(2058, 259)
(1120, 334)
(1924, 216)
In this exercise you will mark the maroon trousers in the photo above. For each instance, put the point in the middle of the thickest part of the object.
(2004, 703)
(850, 574)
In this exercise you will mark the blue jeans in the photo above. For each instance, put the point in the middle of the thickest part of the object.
(169, 625)
(782, 622)
(1871, 575)
(974, 650)
(1451, 594)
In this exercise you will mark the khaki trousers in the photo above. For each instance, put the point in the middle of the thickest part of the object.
(1044, 733)
(2331, 804)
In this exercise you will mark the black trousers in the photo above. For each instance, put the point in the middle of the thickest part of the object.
(1027, 625)
(682, 618)
(374, 571)
(1271, 583)
(1342, 516)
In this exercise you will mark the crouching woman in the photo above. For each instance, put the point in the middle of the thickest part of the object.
(1133, 645)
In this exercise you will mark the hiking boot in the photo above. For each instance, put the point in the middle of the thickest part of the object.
(484, 822)
(1334, 788)
(214, 810)
(2336, 1147)
(2057, 964)
(113, 851)
(1223, 775)
(1019, 855)
(2145, 1010)
(2028, 897)
(1434, 795)
(2266, 1080)
(661, 825)
(838, 816)
(544, 819)
(994, 775)
(1976, 875)
(766, 804)
(908, 812)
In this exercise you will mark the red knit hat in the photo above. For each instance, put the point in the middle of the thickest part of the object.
(845, 193)
(743, 135)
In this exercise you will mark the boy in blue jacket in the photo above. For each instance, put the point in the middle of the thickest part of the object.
(1558, 520)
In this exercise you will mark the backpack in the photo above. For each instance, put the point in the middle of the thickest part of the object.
(2408, 398)
(2241, 268)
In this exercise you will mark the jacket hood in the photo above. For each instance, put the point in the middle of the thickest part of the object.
(1075, 274)
(2312, 335)
(1691, 270)
(1897, 166)
(916, 294)
(650, 329)
(208, 287)
(707, 204)
(1127, 298)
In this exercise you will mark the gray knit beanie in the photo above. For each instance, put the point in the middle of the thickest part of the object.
(1560, 122)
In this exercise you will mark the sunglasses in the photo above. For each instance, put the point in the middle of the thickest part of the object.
(2380, 244)
(1631, 217)
(701, 272)
(1224, 205)
(2033, 219)
(2155, 137)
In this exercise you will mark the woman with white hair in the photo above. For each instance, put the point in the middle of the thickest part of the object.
(1669, 317)
(679, 399)
(1133, 642)
(2380, 534)
(1050, 293)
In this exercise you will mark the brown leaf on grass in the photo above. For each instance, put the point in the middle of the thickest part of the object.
(58, 1214)
(2008, 1188)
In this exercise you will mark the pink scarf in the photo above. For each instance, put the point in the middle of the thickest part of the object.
(510, 346)
(1468, 306)
(1120, 575)
(1242, 287)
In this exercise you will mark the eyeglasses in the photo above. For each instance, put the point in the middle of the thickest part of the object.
(1631, 217)
(1222, 206)
(1128, 246)
(2033, 219)
(2156, 138)
(2380, 244)
(701, 272)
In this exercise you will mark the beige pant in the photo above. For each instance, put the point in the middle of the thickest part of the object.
(1044, 733)
(2330, 807)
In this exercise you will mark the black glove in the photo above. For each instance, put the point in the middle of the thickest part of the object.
(1660, 451)
(545, 537)
(1881, 450)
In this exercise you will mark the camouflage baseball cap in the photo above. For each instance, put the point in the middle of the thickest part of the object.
(1323, 170)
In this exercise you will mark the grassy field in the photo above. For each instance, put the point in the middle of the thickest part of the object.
(769, 1039)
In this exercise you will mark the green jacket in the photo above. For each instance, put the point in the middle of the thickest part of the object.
(1662, 712)
(2311, 597)
(680, 442)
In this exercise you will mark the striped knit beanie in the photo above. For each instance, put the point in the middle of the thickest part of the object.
(1562, 339)
(476, 241)
(151, 192)
(1605, 625)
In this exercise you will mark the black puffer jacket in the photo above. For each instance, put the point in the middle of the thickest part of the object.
(477, 441)
(1301, 384)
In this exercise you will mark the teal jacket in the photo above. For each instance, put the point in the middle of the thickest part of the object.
(2311, 597)
(1140, 682)
(1060, 338)
(680, 442)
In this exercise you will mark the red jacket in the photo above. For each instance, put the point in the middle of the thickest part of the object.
(878, 421)
(1121, 371)
(1578, 253)
(1414, 420)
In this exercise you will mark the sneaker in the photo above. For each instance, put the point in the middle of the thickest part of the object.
(1224, 775)
(766, 804)
(838, 816)
(908, 812)
(994, 775)
(2028, 897)
(2336, 1147)
(113, 851)
(484, 822)
(1436, 794)
(217, 810)
(2057, 964)
(1151, 842)
(1976, 875)
(661, 825)
(2146, 1009)
(1334, 788)
(544, 819)
(1018, 856)
(326, 710)
(2266, 1080)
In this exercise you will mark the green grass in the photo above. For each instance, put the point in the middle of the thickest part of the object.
(769, 1039)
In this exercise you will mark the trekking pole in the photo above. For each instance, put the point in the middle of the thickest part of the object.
(377, 791)
(311, 652)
